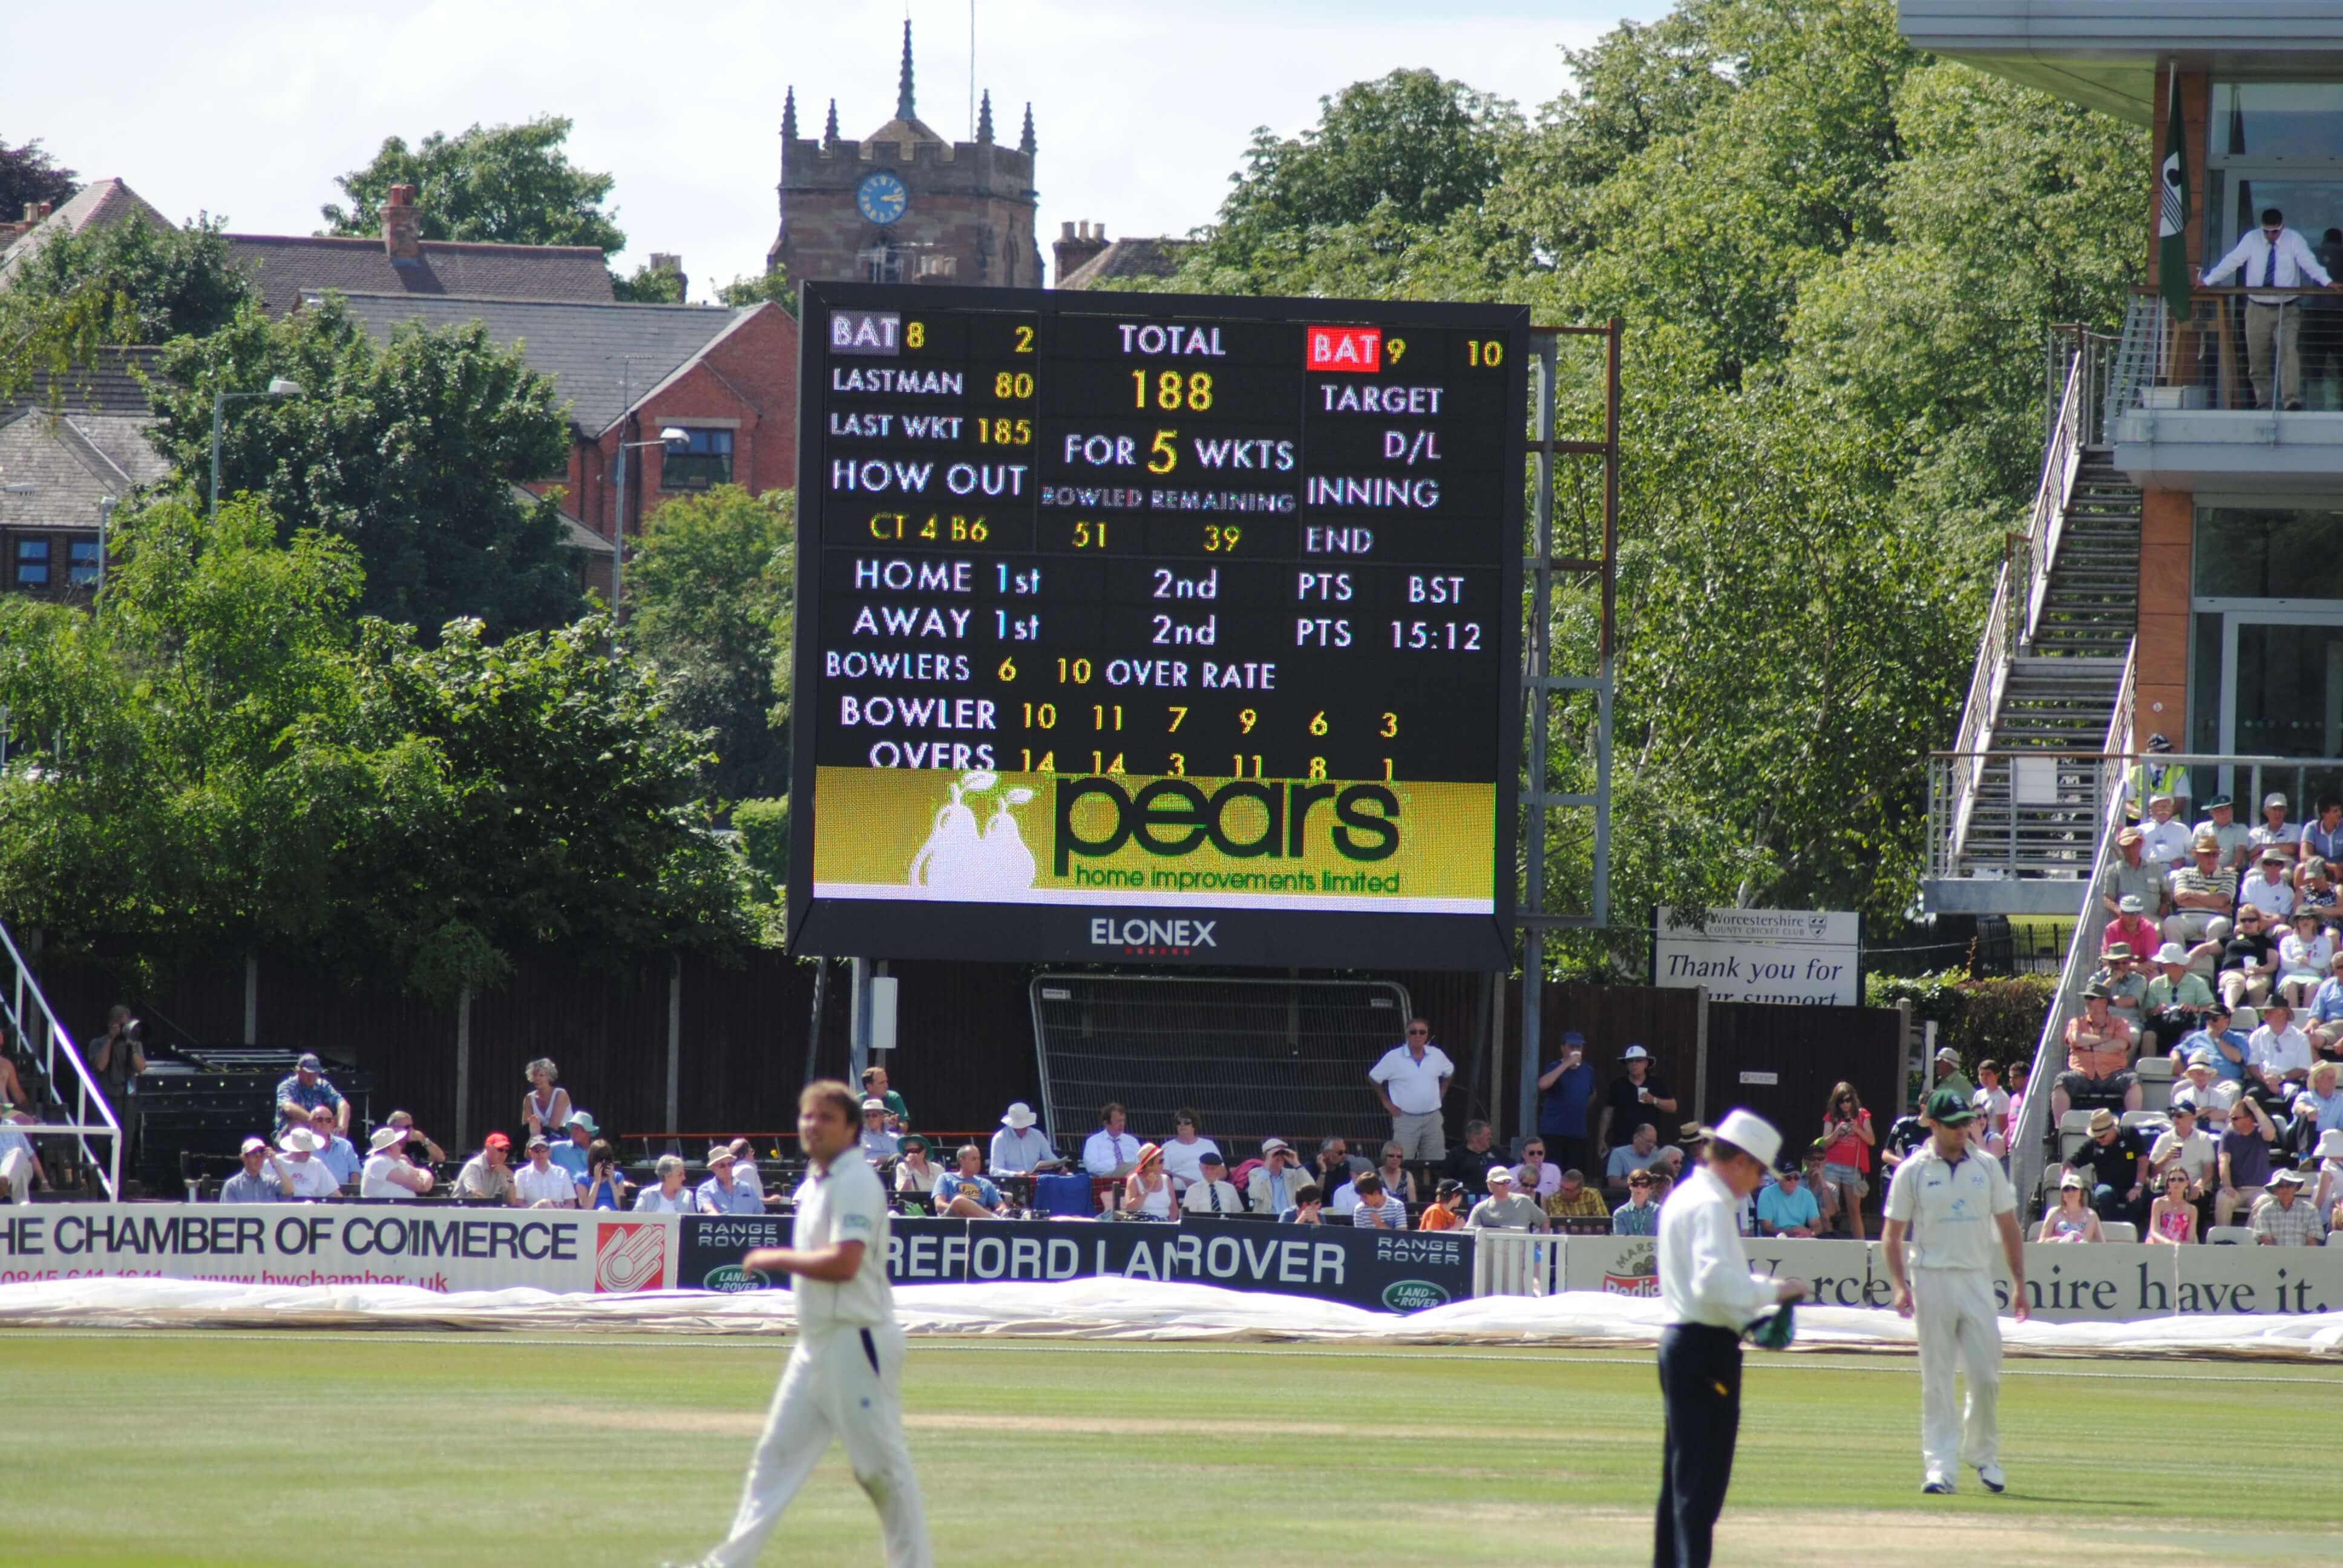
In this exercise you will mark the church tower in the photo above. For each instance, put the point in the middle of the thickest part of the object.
(905, 206)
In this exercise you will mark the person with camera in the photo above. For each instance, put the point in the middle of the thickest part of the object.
(117, 1057)
(604, 1187)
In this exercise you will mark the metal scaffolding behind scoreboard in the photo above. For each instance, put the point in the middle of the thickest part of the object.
(1566, 389)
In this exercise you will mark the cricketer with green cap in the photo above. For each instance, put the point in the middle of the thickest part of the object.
(1945, 1204)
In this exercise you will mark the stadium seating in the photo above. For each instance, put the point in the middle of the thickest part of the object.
(2119, 1231)
(2229, 1236)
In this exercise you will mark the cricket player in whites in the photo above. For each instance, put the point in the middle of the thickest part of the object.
(1947, 1202)
(845, 1379)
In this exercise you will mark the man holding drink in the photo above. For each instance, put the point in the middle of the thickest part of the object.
(1565, 1094)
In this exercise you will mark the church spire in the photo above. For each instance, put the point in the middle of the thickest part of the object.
(984, 118)
(830, 129)
(1025, 142)
(789, 115)
(903, 90)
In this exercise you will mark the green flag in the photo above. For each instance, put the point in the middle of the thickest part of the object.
(2172, 213)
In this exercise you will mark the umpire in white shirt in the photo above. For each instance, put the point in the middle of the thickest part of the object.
(1710, 1296)
(2272, 257)
(1948, 1199)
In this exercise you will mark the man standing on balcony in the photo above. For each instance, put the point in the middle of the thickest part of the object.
(2272, 257)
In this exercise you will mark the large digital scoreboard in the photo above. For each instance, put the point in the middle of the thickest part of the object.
(1156, 628)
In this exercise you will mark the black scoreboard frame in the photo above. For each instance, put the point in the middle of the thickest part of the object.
(1047, 933)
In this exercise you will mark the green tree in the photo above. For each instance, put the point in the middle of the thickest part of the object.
(412, 450)
(649, 284)
(513, 184)
(755, 289)
(29, 175)
(128, 282)
(709, 598)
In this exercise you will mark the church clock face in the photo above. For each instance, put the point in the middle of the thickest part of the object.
(882, 197)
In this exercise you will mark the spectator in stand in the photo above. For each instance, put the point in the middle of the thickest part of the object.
(303, 1092)
(2323, 1018)
(2163, 841)
(1505, 1209)
(2271, 888)
(2274, 832)
(1111, 1150)
(1785, 1207)
(1213, 1192)
(1908, 1131)
(876, 1141)
(2126, 990)
(1147, 1191)
(387, 1174)
(875, 1086)
(2154, 775)
(2231, 838)
(2202, 890)
(2326, 1102)
(2303, 957)
(1949, 1070)
(2317, 887)
(2205, 1092)
(1573, 1199)
(1308, 1207)
(2071, 1217)
(2245, 1162)
(336, 1152)
(12, 1087)
(2330, 1150)
(1397, 1179)
(2116, 1157)
(2222, 1044)
(966, 1193)
(1336, 1166)
(1992, 1102)
(1276, 1178)
(2174, 1007)
(1536, 1176)
(310, 1176)
(1184, 1152)
(262, 1179)
(916, 1175)
(1411, 1080)
(1019, 1147)
(1848, 1139)
(2130, 875)
(723, 1192)
(744, 1167)
(1641, 1152)
(542, 1184)
(2248, 959)
(2182, 1148)
(2131, 929)
(573, 1150)
(2322, 838)
(2100, 1048)
(1447, 1209)
(545, 1107)
(1472, 1163)
(1565, 1101)
(1639, 1215)
(117, 1057)
(2278, 1058)
(487, 1177)
(668, 1195)
(405, 1123)
(1346, 1196)
(2172, 1217)
(605, 1186)
(1637, 1096)
(2282, 1218)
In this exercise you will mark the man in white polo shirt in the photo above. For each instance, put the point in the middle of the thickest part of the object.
(1950, 1200)
(1412, 1080)
(845, 1379)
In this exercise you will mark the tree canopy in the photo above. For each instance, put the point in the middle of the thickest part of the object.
(127, 282)
(513, 184)
(28, 174)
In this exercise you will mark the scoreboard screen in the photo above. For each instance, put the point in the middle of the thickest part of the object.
(1156, 628)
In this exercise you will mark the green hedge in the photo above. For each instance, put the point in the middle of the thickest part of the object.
(764, 829)
(2000, 1018)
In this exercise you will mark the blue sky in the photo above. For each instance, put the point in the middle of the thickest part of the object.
(1142, 110)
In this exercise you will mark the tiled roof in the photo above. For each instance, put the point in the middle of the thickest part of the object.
(98, 203)
(574, 534)
(586, 348)
(108, 385)
(71, 461)
(1153, 257)
(287, 266)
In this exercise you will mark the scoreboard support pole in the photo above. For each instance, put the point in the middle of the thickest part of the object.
(1541, 683)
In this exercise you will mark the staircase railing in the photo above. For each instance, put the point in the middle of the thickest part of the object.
(69, 1081)
(2059, 462)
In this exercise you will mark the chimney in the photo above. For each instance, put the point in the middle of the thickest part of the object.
(34, 211)
(1076, 244)
(667, 261)
(402, 225)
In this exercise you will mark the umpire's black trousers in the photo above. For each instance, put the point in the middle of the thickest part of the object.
(1700, 1383)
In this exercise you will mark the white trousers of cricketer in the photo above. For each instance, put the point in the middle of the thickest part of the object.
(846, 1383)
(1957, 1320)
(16, 1169)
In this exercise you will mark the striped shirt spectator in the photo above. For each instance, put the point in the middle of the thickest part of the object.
(1377, 1210)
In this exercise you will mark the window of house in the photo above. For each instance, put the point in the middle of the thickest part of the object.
(2269, 552)
(81, 562)
(30, 566)
(706, 459)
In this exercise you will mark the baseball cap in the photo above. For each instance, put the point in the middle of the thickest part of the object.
(1500, 1173)
(2274, 798)
(496, 1141)
(2128, 904)
(1209, 1158)
(309, 1062)
(1571, 1037)
(1634, 1053)
(2071, 1179)
(2217, 801)
(539, 1140)
(255, 1146)
(1948, 1108)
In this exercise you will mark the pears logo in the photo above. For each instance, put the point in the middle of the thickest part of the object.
(1241, 819)
(961, 861)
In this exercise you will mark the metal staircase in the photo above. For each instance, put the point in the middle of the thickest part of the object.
(71, 1108)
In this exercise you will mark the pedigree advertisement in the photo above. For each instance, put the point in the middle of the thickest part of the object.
(983, 837)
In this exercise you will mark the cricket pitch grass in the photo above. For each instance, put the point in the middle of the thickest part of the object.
(423, 1448)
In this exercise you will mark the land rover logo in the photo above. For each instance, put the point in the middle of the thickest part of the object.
(731, 1278)
(1413, 1295)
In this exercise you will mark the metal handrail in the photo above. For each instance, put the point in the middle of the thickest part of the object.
(1987, 679)
(58, 1041)
(2059, 464)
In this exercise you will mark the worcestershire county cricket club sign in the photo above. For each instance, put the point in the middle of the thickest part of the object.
(1802, 956)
